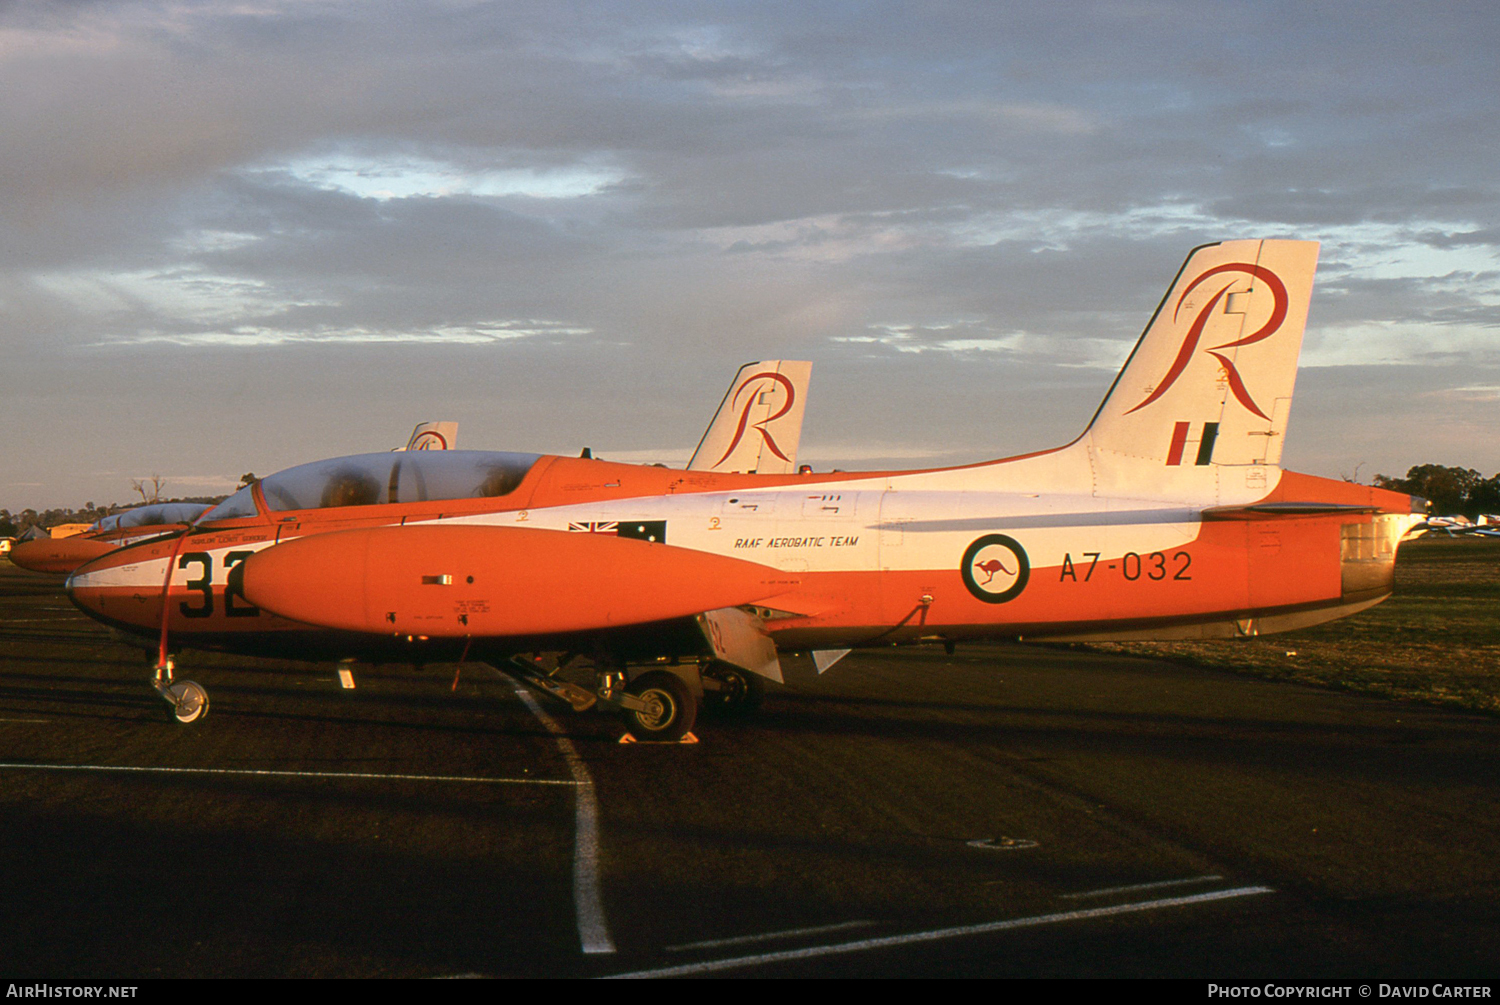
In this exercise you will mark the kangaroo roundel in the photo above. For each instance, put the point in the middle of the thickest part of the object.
(995, 568)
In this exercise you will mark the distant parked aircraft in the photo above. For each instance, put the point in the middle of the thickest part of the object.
(61, 555)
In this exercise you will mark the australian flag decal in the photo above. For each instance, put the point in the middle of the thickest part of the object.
(654, 531)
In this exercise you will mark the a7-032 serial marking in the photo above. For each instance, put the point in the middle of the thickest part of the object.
(1156, 565)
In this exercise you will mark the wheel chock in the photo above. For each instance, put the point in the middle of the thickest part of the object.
(686, 738)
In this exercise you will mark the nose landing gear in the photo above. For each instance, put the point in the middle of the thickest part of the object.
(188, 699)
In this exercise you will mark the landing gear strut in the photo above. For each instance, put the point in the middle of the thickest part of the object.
(657, 705)
(189, 700)
(729, 690)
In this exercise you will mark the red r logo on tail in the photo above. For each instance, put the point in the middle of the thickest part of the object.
(760, 427)
(1195, 332)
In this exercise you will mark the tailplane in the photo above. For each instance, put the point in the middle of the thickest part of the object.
(1210, 382)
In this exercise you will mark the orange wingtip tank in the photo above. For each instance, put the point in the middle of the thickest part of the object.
(494, 581)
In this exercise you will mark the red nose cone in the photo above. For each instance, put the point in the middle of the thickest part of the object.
(58, 555)
(494, 581)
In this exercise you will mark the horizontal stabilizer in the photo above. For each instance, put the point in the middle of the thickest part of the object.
(1285, 509)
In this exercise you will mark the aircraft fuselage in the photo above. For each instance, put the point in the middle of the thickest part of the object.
(862, 559)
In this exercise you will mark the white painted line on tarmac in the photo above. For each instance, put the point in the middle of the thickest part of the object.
(962, 931)
(1141, 886)
(769, 936)
(370, 776)
(593, 929)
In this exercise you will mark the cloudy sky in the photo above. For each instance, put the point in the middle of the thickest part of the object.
(240, 235)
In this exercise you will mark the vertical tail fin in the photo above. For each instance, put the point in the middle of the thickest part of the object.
(759, 423)
(433, 436)
(1210, 382)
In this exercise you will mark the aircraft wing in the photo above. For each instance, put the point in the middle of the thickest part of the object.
(759, 423)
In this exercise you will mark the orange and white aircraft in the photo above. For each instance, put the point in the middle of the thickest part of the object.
(1170, 517)
(61, 555)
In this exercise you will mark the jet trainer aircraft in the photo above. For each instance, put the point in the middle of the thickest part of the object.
(63, 555)
(1170, 517)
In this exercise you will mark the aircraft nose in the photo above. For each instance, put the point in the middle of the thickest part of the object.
(80, 593)
(57, 555)
(40, 555)
(116, 596)
(24, 554)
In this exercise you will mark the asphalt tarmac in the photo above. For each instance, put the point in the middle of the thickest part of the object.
(1005, 811)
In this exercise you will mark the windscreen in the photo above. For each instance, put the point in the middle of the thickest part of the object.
(372, 479)
(242, 503)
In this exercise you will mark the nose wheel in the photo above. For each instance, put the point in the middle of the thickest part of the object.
(188, 699)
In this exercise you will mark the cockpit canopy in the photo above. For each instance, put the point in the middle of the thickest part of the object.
(372, 479)
(150, 516)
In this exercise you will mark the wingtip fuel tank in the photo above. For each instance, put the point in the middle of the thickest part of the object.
(446, 582)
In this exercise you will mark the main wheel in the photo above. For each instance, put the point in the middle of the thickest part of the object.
(190, 701)
(740, 692)
(672, 711)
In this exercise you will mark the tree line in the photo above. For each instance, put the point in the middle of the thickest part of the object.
(1452, 491)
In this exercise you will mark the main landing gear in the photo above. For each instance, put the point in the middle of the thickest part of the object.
(189, 700)
(659, 704)
(729, 690)
(670, 708)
